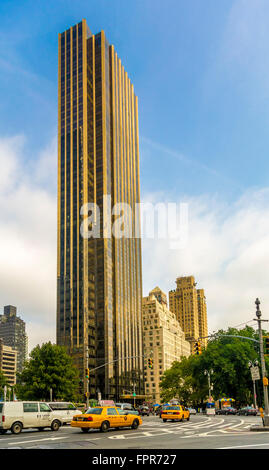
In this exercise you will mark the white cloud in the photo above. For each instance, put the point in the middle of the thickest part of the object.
(227, 252)
(28, 238)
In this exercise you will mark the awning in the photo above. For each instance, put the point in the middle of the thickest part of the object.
(139, 397)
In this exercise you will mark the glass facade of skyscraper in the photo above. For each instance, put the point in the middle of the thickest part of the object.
(99, 285)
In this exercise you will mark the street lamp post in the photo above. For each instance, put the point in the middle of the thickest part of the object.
(264, 377)
(209, 373)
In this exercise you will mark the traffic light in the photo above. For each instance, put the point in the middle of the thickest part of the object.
(150, 363)
(197, 348)
(87, 373)
(266, 344)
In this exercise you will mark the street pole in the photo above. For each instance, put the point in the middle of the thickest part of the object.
(265, 390)
(134, 385)
(88, 380)
(254, 390)
(207, 372)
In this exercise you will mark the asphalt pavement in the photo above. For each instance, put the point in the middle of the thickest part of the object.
(201, 432)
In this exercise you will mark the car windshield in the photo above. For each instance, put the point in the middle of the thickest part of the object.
(94, 411)
(172, 408)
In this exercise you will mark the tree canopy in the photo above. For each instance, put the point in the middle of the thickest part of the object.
(228, 357)
(49, 367)
(3, 382)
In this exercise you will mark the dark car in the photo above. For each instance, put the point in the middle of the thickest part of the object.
(158, 411)
(247, 411)
(230, 411)
(144, 410)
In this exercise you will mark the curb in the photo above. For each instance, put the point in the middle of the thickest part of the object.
(260, 428)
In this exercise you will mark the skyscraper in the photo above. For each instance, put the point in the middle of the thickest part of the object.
(202, 316)
(189, 305)
(13, 334)
(99, 286)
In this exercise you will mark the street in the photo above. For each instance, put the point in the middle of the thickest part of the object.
(201, 432)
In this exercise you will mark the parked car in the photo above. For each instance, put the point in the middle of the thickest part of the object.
(231, 411)
(127, 407)
(18, 415)
(247, 411)
(66, 410)
(144, 410)
(227, 410)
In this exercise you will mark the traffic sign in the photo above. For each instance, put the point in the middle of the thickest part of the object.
(255, 373)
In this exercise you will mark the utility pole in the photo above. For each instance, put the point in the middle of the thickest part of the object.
(264, 376)
(87, 379)
(134, 394)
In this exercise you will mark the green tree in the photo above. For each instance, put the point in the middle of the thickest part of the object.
(3, 382)
(49, 367)
(228, 357)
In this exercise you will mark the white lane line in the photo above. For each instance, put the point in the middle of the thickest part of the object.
(250, 445)
(212, 425)
(234, 426)
(141, 435)
(36, 440)
(184, 426)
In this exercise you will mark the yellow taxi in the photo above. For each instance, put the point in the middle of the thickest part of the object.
(175, 413)
(105, 417)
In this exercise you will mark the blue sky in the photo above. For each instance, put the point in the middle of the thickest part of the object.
(195, 98)
(200, 69)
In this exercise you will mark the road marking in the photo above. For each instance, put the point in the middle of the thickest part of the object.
(36, 440)
(250, 445)
(234, 426)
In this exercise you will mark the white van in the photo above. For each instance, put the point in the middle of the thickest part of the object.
(18, 415)
(65, 410)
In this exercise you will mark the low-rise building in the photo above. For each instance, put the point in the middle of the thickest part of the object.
(8, 363)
